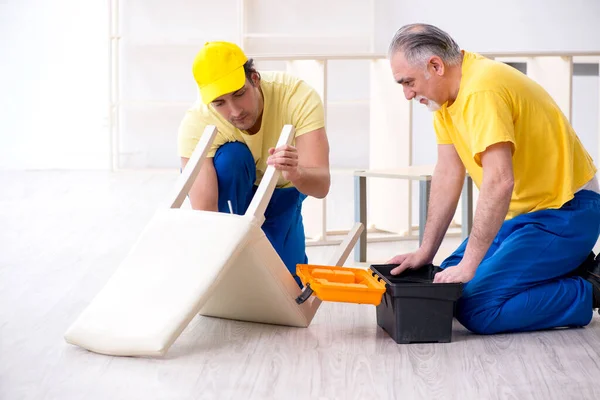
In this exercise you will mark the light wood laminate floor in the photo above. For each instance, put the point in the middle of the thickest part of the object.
(64, 233)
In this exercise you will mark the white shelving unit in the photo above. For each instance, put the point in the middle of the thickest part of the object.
(369, 123)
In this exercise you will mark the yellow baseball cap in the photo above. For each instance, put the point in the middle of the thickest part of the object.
(219, 69)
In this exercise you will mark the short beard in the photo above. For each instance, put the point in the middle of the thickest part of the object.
(431, 105)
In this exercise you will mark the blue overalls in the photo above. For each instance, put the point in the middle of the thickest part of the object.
(236, 174)
(524, 281)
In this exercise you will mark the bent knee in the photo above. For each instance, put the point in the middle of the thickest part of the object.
(483, 322)
(232, 153)
(233, 158)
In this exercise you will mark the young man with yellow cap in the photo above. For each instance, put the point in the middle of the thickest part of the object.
(527, 264)
(249, 110)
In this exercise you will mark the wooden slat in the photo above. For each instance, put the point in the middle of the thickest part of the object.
(345, 248)
(192, 168)
(378, 56)
(413, 172)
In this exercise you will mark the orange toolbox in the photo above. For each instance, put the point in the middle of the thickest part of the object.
(341, 284)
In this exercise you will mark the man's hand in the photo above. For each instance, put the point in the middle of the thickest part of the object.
(285, 159)
(458, 274)
(414, 260)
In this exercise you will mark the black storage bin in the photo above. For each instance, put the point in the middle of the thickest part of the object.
(414, 309)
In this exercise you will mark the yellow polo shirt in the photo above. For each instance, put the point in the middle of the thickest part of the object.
(496, 103)
(287, 100)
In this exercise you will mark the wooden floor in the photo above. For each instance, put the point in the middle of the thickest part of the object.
(64, 233)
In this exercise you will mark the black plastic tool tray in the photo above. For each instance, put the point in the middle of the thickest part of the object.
(414, 309)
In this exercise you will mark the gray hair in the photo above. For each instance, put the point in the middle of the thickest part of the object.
(418, 42)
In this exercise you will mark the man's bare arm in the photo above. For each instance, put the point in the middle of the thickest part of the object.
(306, 164)
(446, 186)
(204, 193)
(313, 162)
(493, 202)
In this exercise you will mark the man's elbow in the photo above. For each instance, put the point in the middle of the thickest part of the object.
(506, 180)
(323, 189)
(503, 185)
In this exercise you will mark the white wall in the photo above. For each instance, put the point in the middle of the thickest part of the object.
(53, 80)
(507, 25)
(586, 102)
(54, 61)
(160, 41)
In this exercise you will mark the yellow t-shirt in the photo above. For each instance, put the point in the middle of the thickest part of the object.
(287, 100)
(496, 103)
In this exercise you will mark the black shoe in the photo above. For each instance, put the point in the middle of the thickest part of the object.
(594, 268)
(595, 291)
(590, 271)
(589, 264)
(593, 277)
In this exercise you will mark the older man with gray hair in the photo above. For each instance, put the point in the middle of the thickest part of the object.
(527, 264)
